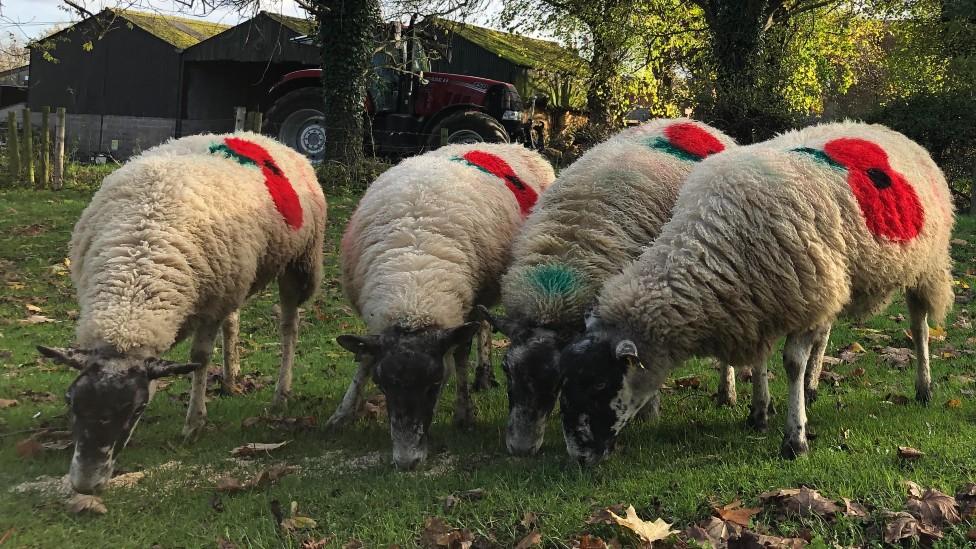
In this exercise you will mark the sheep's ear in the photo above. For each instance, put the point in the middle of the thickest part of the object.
(627, 350)
(76, 358)
(157, 368)
(498, 323)
(359, 345)
(590, 317)
(460, 335)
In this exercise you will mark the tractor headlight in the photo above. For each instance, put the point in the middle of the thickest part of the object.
(512, 115)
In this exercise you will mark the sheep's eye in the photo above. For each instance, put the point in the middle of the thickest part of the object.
(600, 386)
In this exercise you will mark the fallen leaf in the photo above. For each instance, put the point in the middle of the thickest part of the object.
(531, 539)
(736, 514)
(689, 382)
(529, 520)
(500, 343)
(958, 242)
(253, 448)
(966, 497)
(223, 543)
(900, 400)
(322, 543)
(434, 528)
(270, 475)
(28, 448)
(971, 535)
(953, 403)
(933, 507)
(375, 407)
(897, 318)
(33, 308)
(858, 372)
(602, 515)
(82, 503)
(910, 454)
(830, 361)
(801, 501)
(353, 543)
(754, 539)
(6, 403)
(937, 333)
(713, 531)
(897, 357)
(228, 484)
(37, 396)
(298, 523)
(589, 542)
(6, 535)
(37, 319)
(646, 530)
(854, 509)
(901, 525)
(826, 376)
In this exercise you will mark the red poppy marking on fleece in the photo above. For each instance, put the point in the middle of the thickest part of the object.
(693, 140)
(282, 193)
(889, 204)
(494, 165)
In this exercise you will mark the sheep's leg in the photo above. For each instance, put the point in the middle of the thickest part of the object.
(917, 310)
(726, 395)
(289, 333)
(232, 360)
(200, 352)
(761, 406)
(352, 400)
(652, 408)
(815, 365)
(796, 354)
(463, 408)
(484, 374)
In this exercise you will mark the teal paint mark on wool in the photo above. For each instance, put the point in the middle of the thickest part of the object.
(821, 157)
(554, 280)
(466, 163)
(227, 152)
(664, 145)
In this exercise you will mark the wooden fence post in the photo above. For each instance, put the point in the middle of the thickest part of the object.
(240, 113)
(443, 136)
(13, 148)
(45, 147)
(59, 133)
(28, 148)
(257, 122)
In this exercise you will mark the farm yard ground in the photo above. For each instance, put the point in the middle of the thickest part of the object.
(696, 457)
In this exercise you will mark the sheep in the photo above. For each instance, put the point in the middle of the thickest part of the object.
(172, 244)
(597, 217)
(775, 239)
(429, 241)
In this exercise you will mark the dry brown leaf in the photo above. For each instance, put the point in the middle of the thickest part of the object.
(967, 502)
(353, 544)
(589, 542)
(529, 520)
(37, 319)
(602, 516)
(958, 242)
(754, 539)
(28, 448)
(909, 454)
(937, 333)
(933, 507)
(6, 403)
(500, 343)
(375, 407)
(897, 357)
(223, 543)
(713, 531)
(82, 503)
(531, 539)
(434, 528)
(689, 382)
(736, 514)
(801, 501)
(228, 484)
(33, 308)
(953, 403)
(901, 525)
(827, 376)
(318, 543)
(858, 372)
(646, 530)
(854, 509)
(253, 448)
(37, 396)
(900, 400)
(292, 524)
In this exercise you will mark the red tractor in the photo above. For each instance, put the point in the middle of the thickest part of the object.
(408, 110)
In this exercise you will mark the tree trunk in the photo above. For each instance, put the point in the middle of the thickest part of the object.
(346, 36)
(602, 102)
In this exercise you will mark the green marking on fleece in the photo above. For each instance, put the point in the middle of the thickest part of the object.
(554, 280)
(664, 145)
(465, 161)
(819, 156)
(226, 151)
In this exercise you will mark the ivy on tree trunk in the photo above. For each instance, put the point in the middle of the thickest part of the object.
(346, 34)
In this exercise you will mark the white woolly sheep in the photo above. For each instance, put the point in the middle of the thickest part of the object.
(429, 241)
(600, 213)
(775, 239)
(172, 244)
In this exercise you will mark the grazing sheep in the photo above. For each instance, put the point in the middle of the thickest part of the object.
(171, 244)
(598, 216)
(427, 243)
(775, 239)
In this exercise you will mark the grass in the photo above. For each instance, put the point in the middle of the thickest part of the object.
(673, 468)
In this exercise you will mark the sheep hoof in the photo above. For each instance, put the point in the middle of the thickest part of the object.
(810, 396)
(280, 401)
(192, 431)
(338, 420)
(757, 420)
(792, 449)
(230, 389)
(923, 395)
(725, 399)
(464, 418)
(483, 380)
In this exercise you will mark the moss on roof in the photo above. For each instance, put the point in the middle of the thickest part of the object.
(521, 50)
(299, 25)
(178, 31)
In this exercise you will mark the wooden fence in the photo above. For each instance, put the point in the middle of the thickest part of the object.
(29, 156)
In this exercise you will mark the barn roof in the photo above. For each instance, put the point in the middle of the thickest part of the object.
(178, 31)
(527, 52)
(297, 24)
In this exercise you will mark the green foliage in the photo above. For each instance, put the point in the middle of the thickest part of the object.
(337, 176)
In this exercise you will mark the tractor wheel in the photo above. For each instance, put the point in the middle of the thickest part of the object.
(296, 120)
(468, 127)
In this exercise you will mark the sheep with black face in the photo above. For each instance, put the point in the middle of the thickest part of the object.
(427, 243)
(770, 240)
(600, 213)
(172, 244)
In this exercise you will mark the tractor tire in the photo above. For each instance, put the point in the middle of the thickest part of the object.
(468, 127)
(296, 119)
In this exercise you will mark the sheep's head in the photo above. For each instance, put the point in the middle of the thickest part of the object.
(531, 366)
(409, 367)
(605, 384)
(105, 403)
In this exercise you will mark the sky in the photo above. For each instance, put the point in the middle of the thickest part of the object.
(31, 19)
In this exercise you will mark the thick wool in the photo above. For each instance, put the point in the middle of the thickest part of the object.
(599, 215)
(432, 235)
(185, 232)
(784, 236)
